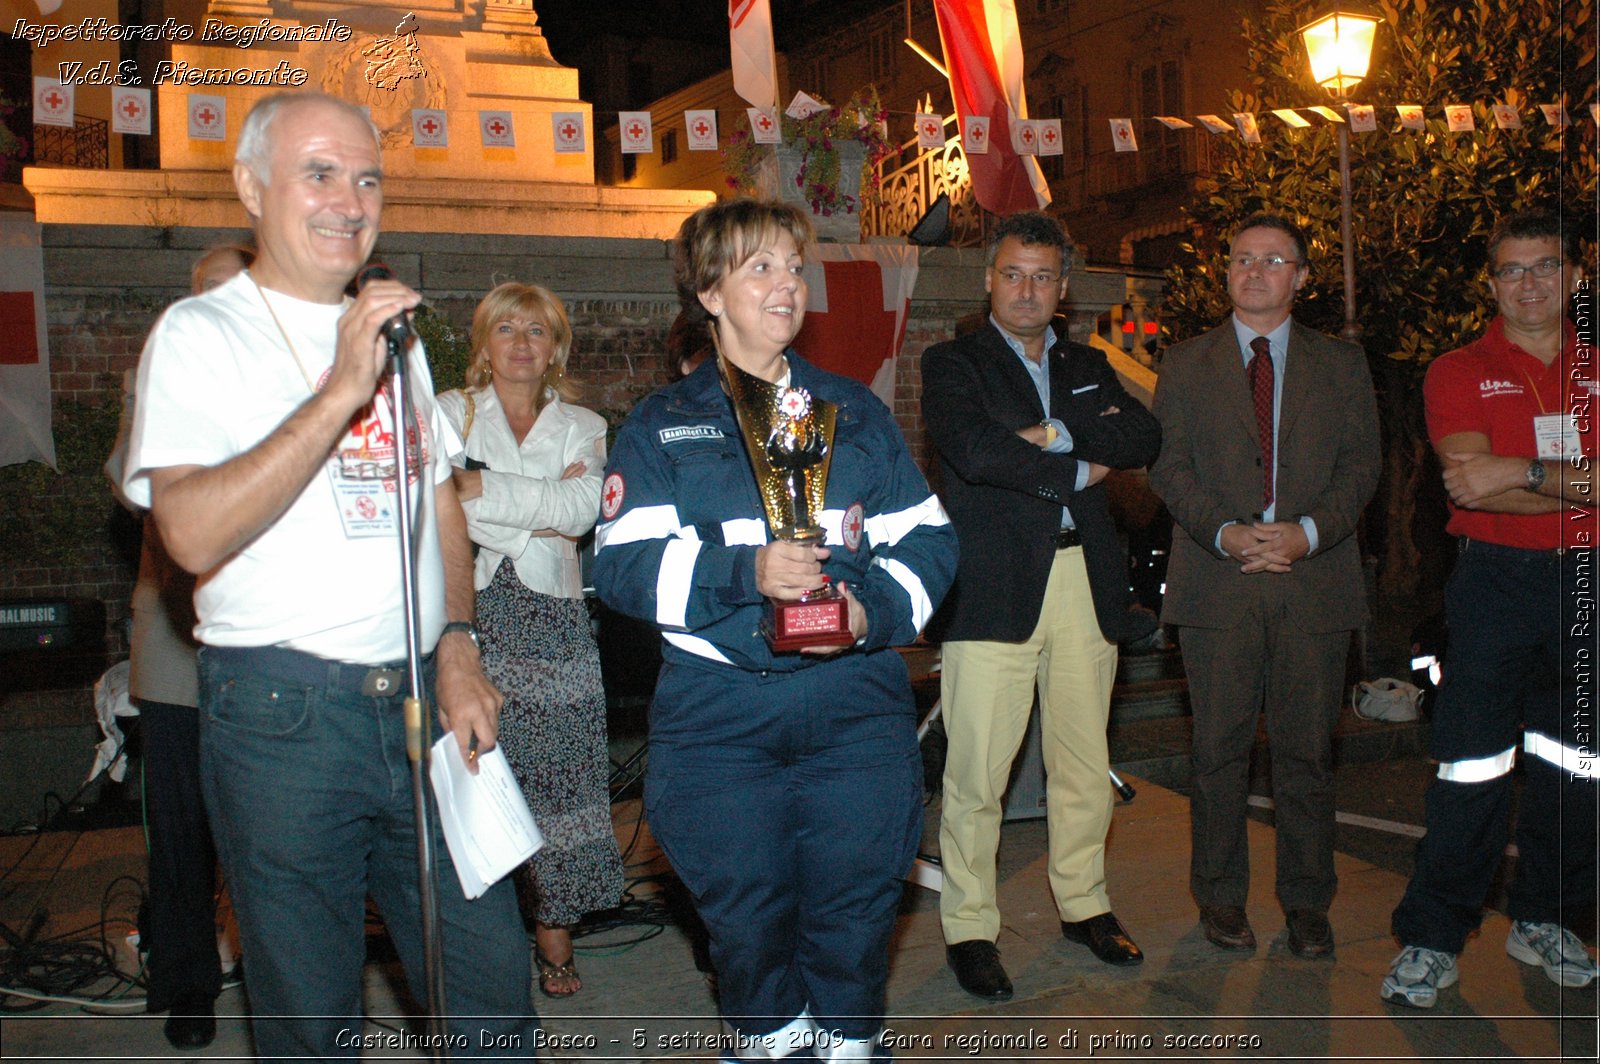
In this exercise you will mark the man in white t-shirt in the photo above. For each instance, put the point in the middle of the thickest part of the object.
(265, 446)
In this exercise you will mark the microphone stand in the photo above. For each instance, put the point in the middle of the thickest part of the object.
(418, 721)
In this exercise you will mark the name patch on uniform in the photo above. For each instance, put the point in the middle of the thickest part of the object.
(679, 433)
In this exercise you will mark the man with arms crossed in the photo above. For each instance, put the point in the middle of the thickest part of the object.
(1027, 424)
(1269, 455)
(264, 447)
(1512, 418)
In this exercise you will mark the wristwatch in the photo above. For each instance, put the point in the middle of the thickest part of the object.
(1535, 475)
(463, 626)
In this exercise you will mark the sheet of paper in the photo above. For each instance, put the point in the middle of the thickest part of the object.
(486, 822)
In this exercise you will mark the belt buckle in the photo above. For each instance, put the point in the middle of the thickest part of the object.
(381, 683)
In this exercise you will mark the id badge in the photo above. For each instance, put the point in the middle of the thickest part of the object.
(1556, 436)
(365, 509)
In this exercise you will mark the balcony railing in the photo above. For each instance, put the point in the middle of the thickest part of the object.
(85, 145)
(911, 179)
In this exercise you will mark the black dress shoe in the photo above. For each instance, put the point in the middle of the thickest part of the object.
(1310, 934)
(977, 967)
(1106, 938)
(1227, 926)
(191, 1023)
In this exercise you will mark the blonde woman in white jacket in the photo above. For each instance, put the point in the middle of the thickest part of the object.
(531, 489)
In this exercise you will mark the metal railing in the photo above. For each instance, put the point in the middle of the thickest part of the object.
(910, 179)
(85, 145)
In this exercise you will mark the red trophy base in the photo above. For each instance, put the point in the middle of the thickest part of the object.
(822, 619)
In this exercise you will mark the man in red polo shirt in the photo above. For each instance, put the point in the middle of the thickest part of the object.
(1512, 418)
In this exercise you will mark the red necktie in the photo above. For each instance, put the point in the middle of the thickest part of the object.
(1260, 370)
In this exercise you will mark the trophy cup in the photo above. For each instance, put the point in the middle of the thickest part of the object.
(789, 437)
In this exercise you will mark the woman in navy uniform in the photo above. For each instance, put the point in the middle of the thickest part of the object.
(786, 788)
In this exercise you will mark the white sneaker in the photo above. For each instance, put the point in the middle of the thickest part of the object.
(1417, 975)
(1555, 949)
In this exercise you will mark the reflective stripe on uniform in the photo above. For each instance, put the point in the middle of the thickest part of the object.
(799, 1034)
(1478, 769)
(1578, 762)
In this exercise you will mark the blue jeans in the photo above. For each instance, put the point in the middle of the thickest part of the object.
(309, 794)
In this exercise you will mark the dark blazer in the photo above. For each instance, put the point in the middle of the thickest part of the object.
(1004, 495)
(1209, 472)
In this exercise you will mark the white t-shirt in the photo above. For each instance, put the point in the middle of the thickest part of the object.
(217, 378)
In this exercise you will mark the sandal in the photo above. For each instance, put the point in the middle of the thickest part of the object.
(550, 972)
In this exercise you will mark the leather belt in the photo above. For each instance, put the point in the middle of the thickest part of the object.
(1066, 537)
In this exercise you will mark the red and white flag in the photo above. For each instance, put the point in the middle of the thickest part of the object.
(567, 127)
(430, 128)
(764, 127)
(130, 110)
(1411, 117)
(1555, 114)
(983, 52)
(1248, 130)
(856, 307)
(498, 129)
(1214, 123)
(1458, 118)
(755, 65)
(1025, 136)
(53, 103)
(702, 127)
(1290, 117)
(634, 127)
(1506, 117)
(25, 354)
(930, 131)
(1122, 135)
(975, 139)
(1363, 117)
(1173, 122)
(208, 117)
(803, 106)
(1049, 136)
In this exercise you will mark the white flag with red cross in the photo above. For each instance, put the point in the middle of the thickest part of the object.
(1214, 123)
(1049, 136)
(1122, 135)
(498, 129)
(930, 131)
(764, 128)
(702, 127)
(1249, 132)
(53, 103)
(858, 296)
(24, 345)
(634, 129)
(430, 128)
(803, 106)
(1458, 118)
(568, 129)
(975, 137)
(1363, 117)
(1411, 117)
(208, 117)
(1025, 136)
(1555, 114)
(754, 62)
(1506, 116)
(130, 110)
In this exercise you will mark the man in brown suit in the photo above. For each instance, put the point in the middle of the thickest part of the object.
(1270, 454)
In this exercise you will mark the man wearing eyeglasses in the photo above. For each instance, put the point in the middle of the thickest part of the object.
(1511, 416)
(1269, 455)
(1027, 424)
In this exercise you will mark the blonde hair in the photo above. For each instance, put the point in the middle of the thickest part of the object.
(535, 303)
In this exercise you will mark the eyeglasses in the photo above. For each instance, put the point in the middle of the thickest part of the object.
(1269, 263)
(1041, 279)
(1513, 272)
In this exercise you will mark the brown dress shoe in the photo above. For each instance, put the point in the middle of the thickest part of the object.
(1310, 934)
(977, 967)
(1106, 938)
(1227, 926)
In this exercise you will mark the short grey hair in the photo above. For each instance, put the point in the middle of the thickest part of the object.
(255, 142)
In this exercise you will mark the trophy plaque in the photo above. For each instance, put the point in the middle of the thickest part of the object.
(789, 437)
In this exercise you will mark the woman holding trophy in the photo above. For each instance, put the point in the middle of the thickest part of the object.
(766, 516)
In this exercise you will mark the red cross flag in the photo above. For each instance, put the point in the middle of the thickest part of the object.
(1049, 136)
(764, 128)
(976, 134)
(569, 132)
(702, 127)
(130, 110)
(1214, 123)
(1363, 117)
(1555, 114)
(208, 117)
(930, 131)
(52, 103)
(498, 129)
(430, 128)
(1122, 135)
(1411, 117)
(1249, 132)
(1506, 117)
(1173, 122)
(1291, 118)
(1025, 137)
(634, 128)
(1458, 117)
(803, 106)
(24, 345)
(856, 304)
(755, 64)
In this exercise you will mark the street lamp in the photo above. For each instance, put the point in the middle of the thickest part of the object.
(1339, 44)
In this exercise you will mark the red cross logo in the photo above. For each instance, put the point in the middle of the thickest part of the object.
(569, 131)
(794, 403)
(132, 107)
(429, 126)
(54, 100)
(636, 131)
(1027, 134)
(765, 123)
(497, 127)
(850, 527)
(929, 128)
(1122, 133)
(611, 496)
(702, 128)
(1050, 135)
(978, 133)
(206, 116)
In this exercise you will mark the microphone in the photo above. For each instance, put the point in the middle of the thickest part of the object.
(397, 328)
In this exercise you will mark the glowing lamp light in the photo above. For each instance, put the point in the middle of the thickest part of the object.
(1340, 46)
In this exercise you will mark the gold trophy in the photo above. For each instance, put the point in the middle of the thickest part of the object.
(789, 437)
